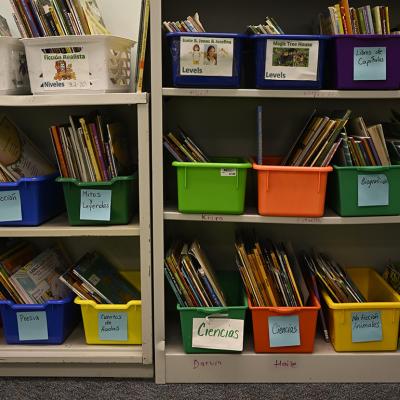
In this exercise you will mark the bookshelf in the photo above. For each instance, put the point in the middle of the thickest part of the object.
(223, 123)
(126, 246)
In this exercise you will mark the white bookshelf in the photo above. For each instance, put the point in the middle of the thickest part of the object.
(222, 122)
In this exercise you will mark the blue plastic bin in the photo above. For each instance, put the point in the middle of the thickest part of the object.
(61, 315)
(41, 199)
(259, 46)
(205, 81)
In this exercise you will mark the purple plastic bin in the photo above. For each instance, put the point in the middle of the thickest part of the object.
(344, 61)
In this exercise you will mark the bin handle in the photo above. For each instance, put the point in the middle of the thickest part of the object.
(373, 169)
(214, 311)
(281, 310)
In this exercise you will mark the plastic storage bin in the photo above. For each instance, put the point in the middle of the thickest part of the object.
(97, 63)
(113, 323)
(366, 62)
(101, 203)
(346, 324)
(289, 61)
(14, 77)
(291, 191)
(30, 201)
(190, 66)
(216, 187)
(235, 297)
(362, 191)
(48, 323)
(287, 316)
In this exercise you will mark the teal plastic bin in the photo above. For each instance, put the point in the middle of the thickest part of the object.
(236, 298)
(215, 188)
(365, 191)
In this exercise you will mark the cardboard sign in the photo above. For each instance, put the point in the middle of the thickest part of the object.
(218, 333)
(291, 60)
(113, 326)
(284, 331)
(369, 63)
(10, 206)
(366, 326)
(95, 205)
(32, 325)
(206, 56)
(373, 190)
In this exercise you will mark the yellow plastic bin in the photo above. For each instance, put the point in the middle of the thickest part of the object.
(371, 326)
(113, 323)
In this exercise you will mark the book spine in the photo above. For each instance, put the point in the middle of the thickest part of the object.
(99, 152)
(41, 23)
(174, 287)
(65, 14)
(364, 154)
(24, 17)
(57, 21)
(30, 18)
(377, 20)
(211, 294)
(374, 152)
(198, 302)
(90, 149)
(59, 152)
(370, 22)
(361, 20)
(346, 151)
(143, 47)
(173, 152)
(111, 162)
(368, 151)
(20, 25)
(344, 24)
(382, 17)
(50, 22)
(387, 19)
(346, 8)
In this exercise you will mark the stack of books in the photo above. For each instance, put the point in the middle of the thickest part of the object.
(19, 157)
(192, 277)
(318, 141)
(90, 150)
(190, 24)
(271, 273)
(270, 27)
(343, 19)
(40, 18)
(29, 277)
(93, 277)
(182, 148)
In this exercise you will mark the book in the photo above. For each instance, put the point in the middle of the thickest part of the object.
(143, 33)
(93, 17)
(119, 148)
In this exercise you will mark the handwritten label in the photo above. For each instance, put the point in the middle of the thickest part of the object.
(32, 325)
(113, 326)
(373, 190)
(65, 71)
(218, 333)
(212, 218)
(309, 220)
(285, 364)
(10, 206)
(291, 60)
(284, 331)
(366, 326)
(206, 56)
(95, 205)
(206, 364)
(369, 63)
(228, 171)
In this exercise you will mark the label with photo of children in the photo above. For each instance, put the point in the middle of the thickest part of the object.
(65, 71)
(292, 60)
(206, 56)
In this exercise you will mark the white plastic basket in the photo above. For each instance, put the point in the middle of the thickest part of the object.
(13, 68)
(79, 64)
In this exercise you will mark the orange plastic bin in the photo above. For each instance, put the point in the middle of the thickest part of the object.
(307, 323)
(291, 191)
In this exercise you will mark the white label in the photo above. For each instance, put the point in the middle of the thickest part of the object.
(292, 60)
(65, 71)
(218, 333)
(206, 56)
(10, 206)
(228, 171)
(95, 205)
(373, 190)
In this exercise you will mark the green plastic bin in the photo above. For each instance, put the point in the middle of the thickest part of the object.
(112, 202)
(231, 285)
(216, 188)
(362, 191)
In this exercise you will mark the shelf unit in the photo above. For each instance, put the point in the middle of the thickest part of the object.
(75, 357)
(223, 120)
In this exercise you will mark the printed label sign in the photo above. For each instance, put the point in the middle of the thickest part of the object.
(95, 205)
(113, 326)
(284, 331)
(228, 172)
(291, 60)
(32, 325)
(10, 206)
(206, 56)
(373, 190)
(65, 71)
(369, 63)
(366, 326)
(218, 333)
